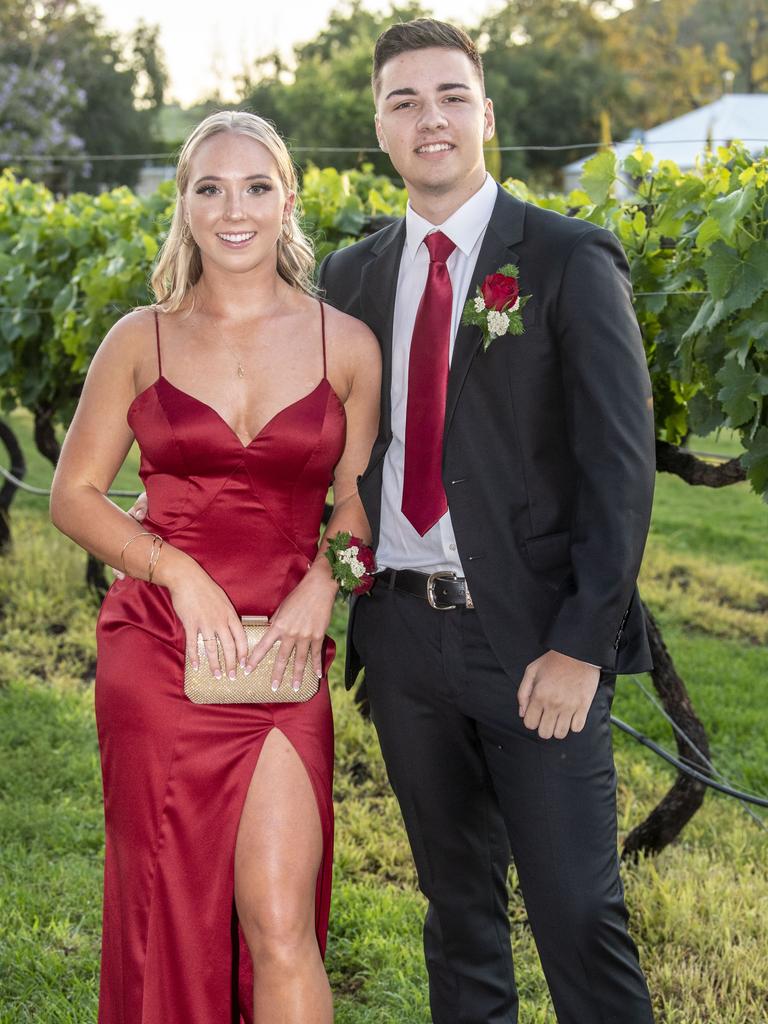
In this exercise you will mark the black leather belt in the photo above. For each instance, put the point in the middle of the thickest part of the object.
(443, 590)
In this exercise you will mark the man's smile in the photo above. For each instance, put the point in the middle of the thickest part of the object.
(435, 147)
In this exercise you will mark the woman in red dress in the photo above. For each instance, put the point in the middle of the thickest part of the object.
(248, 398)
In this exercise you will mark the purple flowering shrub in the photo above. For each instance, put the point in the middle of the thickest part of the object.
(36, 104)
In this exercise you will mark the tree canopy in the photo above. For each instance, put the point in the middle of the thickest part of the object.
(558, 71)
(324, 99)
(76, 87)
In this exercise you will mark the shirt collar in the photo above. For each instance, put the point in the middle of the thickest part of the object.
(463, 227)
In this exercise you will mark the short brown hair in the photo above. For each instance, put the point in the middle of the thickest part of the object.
(421, 34)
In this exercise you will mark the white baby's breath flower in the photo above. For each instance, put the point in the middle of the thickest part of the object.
(479, 304)
(498, 323)
(358, 569)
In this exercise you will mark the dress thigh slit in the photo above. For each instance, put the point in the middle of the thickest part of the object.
(242, 974)
(174, 797)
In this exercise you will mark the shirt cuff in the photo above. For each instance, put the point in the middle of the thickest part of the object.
(591, 665)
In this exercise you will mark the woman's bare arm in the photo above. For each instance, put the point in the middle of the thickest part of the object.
(302, 619)
(362, 408)
(94, 449)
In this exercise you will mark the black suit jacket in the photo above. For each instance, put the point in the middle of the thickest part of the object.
(548, 449)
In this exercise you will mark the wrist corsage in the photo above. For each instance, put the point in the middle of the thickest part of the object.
(352, 563)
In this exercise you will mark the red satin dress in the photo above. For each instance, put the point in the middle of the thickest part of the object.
(175, 774)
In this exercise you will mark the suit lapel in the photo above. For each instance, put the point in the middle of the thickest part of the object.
(504, 230)
(378, 285)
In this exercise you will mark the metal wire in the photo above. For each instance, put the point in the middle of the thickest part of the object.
(45, 492)
(684, 735)
(107, 157)
(751, 798)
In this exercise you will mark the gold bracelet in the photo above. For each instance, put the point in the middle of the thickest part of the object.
(144, 533)
(154, 555)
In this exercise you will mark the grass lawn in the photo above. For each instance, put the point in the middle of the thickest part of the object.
(699, 911)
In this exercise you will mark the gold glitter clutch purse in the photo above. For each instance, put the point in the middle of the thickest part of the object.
(202, 687)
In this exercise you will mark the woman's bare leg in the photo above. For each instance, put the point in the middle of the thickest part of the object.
(277, 858)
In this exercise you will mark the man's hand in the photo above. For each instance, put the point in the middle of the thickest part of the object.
(139, 511)
(556, 693)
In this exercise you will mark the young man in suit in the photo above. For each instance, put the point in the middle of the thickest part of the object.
(509, 495)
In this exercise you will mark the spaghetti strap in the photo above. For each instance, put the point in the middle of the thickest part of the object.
(157, 335)
(322, 322)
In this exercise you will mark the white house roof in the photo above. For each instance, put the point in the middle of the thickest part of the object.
(742, 116)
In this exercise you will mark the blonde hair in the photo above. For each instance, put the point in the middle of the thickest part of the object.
(179, 265)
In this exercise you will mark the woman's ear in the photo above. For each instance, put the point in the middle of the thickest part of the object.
(290, 203)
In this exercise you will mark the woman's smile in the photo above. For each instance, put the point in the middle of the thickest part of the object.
(236, 239)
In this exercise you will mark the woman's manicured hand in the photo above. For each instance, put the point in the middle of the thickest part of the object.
(204, 608)
(300, 625)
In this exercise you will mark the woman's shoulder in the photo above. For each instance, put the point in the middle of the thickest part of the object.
(132, 330)
(131, 340)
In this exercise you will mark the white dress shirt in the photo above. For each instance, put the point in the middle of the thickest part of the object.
(400, 546)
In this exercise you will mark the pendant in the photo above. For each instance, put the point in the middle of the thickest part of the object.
(240, 370)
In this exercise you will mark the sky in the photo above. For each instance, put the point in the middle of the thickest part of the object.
(207, 44)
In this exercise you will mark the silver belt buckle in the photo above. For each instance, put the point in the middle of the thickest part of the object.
(444, 575)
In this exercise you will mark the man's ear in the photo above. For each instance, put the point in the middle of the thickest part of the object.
(380, 134)
(489, 127)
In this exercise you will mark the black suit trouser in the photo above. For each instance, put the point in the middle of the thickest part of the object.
(474, 784)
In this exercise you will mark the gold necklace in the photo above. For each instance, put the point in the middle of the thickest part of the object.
(240, 368)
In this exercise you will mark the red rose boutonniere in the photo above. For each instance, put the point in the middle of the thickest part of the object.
(497, 305)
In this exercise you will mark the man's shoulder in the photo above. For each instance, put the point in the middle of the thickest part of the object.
(540, 218)
(566, 229)
(360, 251)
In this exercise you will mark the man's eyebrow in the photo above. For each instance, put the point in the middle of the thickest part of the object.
(400, 92)
(444, 87)
(251, 177)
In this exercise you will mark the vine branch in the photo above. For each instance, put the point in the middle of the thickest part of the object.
(696, 471)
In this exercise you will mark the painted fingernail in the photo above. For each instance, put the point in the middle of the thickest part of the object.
(247, 670)
(195, 666)
(296, 686)
(217, 674)
(242, 663)
(232, 674)
(275, 685)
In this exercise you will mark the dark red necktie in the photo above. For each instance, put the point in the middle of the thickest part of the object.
(424, 500)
